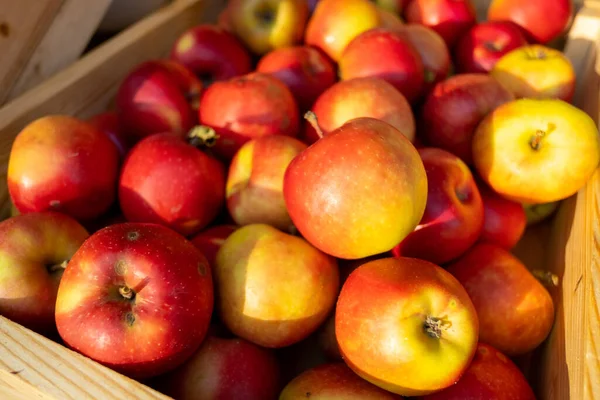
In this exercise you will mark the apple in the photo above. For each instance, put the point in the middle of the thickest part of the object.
(264, 25)
(450, 18)
(390, 57)
(306, 71)
(491, 375)
(358, 191)
(224, 19)
(327, 341)
(454, 215)
(211, 53)
(63, 164)
(541, 20)
(504, 220)
(225, 368)
(273, 289)
(299, 357)
(454, 109)
(536, 71)
(480, 48)
(389, 19)
(248, 107)
(333, 381)
(171, 181)
(254, 188)
(136, 298)
(158, 96)
(394, 6)
(406, 325)
(536, 213)
(334, 23)
(523, 137)
(361, 97)
(210, 240)
(515, 310)
(108, 123)
(34, 251)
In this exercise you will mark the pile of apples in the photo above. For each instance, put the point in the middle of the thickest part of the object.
(308, 199)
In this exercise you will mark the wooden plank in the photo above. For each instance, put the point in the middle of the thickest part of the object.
(40, 37)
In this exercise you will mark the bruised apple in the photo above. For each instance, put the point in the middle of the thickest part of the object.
(273, 289)
(358, 191)
(210, 240)
(406, 325)
(515, 310)
(60, 163)
(131, 285)
(361, 97)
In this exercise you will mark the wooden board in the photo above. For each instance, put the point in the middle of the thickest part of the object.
(40, 37)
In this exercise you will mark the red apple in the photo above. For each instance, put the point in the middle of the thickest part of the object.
(63, 164)
(225, 369)
(34, 251)
(136, 298)
(385, 54)
(480, 48)
(211, 53)
(361, 97)
(210, 240)
(108, 123)
(453, 219)
(454, 109)
(358, 191)
(158, 96)
(490, 376)
(169, 181)
(515, 311)
(248, 107)
(542, 20)
(406, 325)
(305, 70)
(333, 381)
(450, 18)
(504, 220)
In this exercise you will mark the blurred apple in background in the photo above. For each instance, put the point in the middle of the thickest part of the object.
(327, 340)
(361, 97)
(536, 213)
(536, 71)
(395, 6)
(210, 240)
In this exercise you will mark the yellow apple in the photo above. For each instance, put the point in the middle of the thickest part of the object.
(536, 150)
(536, 71)
(539, 212)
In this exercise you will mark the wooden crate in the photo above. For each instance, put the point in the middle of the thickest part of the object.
(567, 365)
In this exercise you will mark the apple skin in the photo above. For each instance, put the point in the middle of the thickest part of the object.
(225, 368)
(537, 213)
(333, 381)
(34, 246)
(211, 53)
(305, 70)
(513, 138)
(454, 109)
(480, 48)
(515, 310)
(248, 107)
(153, 188)
(361, 97)
(158, 96)
(393, 320)
(273, 289)
(254, 188)
(453, 219)
(335, 23)
(449, 18)
(108, 122)
(390, 57)
(504, 220)
(358, 191)
(490, 376)
(536, 71)
(394, 6)
(210, 240)
(64, 164)
(264, 25)
(133, 284)
(541, 20)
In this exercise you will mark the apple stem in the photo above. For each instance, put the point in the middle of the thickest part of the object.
(433, 327)
(311, 117)
(58, 267)
(126, 292)
(547, 278)
(536, 140)
(202, 136)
